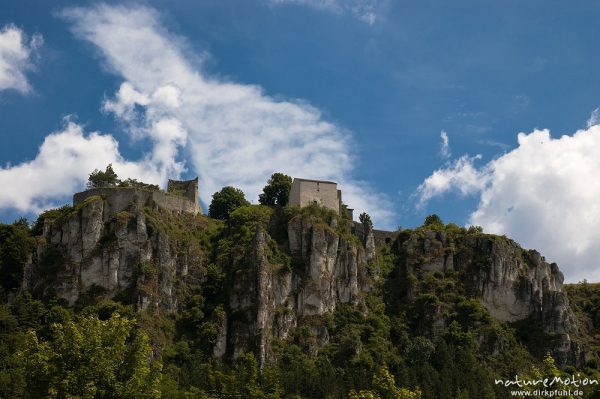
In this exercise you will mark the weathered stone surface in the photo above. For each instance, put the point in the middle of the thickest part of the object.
(511, 283)
(333, 271)
(102, 250)
(105, 251)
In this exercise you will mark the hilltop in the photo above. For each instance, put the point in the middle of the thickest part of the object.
(280, 301)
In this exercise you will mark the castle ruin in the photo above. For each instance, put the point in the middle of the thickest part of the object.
(322, 192)
(180, 197)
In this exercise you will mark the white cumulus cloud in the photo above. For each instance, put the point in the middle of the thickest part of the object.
(461, 175)
(544, 193)
(364, 10)
(61, 167)
(17, 56)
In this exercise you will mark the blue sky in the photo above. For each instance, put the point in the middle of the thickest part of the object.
(358, 91)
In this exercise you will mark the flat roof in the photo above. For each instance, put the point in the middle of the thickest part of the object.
(314, 181)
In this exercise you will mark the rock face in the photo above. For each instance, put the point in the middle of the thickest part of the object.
(328, 270)
(94, 251)
(513, 284)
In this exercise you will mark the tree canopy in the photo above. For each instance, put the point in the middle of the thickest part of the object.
(108, 178)
(366, 221)
(90, 358)
(277, 190)
(226, 201)
(433, 219)
(15, 248)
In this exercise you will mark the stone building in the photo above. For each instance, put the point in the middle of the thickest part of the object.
(181, 197)
(325, 193)
(184, 188)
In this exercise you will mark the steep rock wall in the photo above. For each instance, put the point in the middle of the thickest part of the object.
(266, 302)
(94, 250)
(513, 284)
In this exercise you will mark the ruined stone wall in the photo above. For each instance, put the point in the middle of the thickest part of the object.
(380, 237)
(124, 198)
(384, 237)
(184, 188)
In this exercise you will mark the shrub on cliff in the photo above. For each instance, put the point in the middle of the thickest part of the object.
(226, 201)
(138, 184)
(108, 178)
(433, 220)
(365, 219)
(277, 190)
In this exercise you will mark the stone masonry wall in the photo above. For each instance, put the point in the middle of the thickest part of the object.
(123, 198)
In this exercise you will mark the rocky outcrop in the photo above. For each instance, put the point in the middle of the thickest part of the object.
(95, 251)
(267, 301)
(512, 284)
(98, 252)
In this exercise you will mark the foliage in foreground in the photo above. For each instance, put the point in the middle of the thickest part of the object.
(384, 348)
(89, 358)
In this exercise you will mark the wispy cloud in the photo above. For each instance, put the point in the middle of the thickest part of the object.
(17, 56)
(492, 143)
(365, 10)
(594, 118)
(232, 133)
(460, 175)
(445, 145)
(225, 132)
(544, 193)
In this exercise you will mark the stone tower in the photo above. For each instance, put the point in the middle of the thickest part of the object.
(184, 188)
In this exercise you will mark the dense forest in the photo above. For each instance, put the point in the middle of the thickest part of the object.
(414, 333)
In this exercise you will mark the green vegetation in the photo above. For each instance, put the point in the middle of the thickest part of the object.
(108, 178)
(16, 246)
(89, 358)
(98, 178)
(433, 220)
(137, 184)
(584, 298)
(384, 387)
(418, 333)
(365, 219)
(226, 201)
(277, 190)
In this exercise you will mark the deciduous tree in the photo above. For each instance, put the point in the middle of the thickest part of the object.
(277, 190)
(226, 201)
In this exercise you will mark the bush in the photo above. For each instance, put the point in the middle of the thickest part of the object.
(108, 178)
(432, 220)
(277, 190)
(226, 201)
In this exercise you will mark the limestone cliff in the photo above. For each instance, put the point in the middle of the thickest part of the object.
(291, 269)
(513, 284)
(329, 270)
(93, 251)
